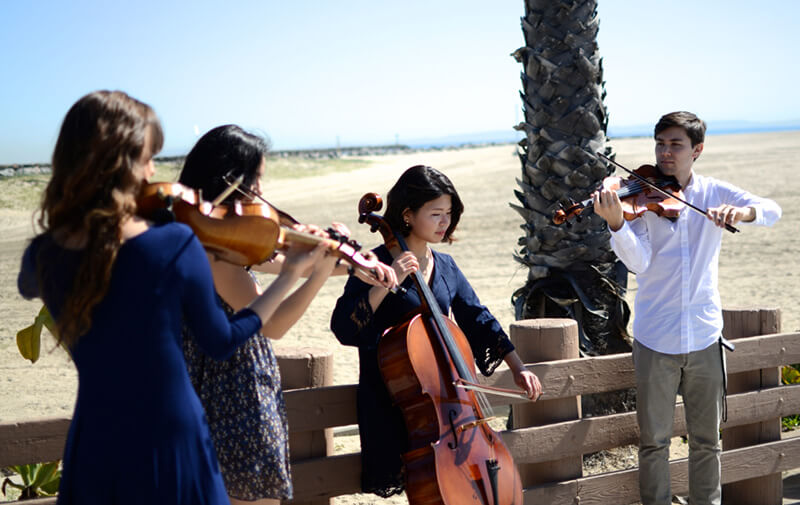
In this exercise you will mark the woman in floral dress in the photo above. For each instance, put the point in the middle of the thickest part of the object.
(242, 395)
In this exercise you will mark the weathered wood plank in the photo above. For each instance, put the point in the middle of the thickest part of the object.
(51, 500)
(325, 407)
(622, 488)
(335, 405)
(737, 324)
(580, 376)
(326, 477)
(539, 340)
(43, 440)
(574, 438)
(312, 476)
(34, 441)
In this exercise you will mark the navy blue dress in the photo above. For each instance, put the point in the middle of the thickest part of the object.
(381, 426)
(138, 433)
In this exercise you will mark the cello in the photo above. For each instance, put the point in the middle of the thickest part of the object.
(454, 455)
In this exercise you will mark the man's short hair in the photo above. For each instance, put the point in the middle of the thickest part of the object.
(694, 126)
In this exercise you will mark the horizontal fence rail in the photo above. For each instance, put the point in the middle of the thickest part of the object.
(321, 407)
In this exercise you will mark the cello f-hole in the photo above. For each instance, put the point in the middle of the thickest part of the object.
(452, 416)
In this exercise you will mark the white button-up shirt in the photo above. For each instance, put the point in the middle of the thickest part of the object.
(677, 308)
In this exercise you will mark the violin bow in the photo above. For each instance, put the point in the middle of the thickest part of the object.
(728, 227)
(253, 194)
(232, 186)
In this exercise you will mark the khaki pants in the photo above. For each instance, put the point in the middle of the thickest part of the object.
(700, 378)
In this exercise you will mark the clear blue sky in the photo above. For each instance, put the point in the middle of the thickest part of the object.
(311, 73)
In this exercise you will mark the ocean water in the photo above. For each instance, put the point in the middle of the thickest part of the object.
(510, 135)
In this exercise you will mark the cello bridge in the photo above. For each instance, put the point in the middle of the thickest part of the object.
(467, 426)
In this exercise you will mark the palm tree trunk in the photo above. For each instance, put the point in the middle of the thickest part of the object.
(572, 270)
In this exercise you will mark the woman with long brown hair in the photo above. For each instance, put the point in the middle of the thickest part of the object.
(120, 288)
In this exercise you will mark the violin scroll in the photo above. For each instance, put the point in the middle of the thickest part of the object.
(568, 212)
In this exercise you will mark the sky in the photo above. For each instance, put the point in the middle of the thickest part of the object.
(322, 73)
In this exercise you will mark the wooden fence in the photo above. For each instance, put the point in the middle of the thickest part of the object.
(549, 437)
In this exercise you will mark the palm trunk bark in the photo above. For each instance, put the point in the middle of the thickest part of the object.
(572, 270)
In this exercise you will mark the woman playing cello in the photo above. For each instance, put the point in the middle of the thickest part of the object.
(423, 207)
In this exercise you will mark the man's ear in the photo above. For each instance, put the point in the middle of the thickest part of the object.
(697, 150)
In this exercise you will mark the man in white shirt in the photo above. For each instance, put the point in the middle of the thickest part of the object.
(677, 313)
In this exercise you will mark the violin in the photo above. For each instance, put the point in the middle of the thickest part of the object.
(678, 196)
(636, 197)
(428, 368)
(659, 193)
(242, 233)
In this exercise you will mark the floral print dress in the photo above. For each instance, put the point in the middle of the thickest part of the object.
(246, 415)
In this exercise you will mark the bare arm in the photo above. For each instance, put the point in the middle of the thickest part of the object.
(237, 288)
(270, 301)
(523, 377)
(293, 307)
(383, 275)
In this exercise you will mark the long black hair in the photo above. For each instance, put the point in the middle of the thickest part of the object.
(224, 150)
(417, 186)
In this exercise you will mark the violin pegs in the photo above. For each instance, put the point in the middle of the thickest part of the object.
(335, 235)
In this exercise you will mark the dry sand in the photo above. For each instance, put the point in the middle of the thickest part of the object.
(758, 267)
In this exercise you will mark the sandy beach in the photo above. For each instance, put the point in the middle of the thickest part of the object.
(758, 267)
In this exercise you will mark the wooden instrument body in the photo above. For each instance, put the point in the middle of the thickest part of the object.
(450, 439)
(240, 233)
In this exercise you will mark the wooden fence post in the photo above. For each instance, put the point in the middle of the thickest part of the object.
(767, 490)
(307, 368)
(546, 340)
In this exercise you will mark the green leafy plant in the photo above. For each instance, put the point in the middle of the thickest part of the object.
(38, 479)
(29, 338)
(790, 375)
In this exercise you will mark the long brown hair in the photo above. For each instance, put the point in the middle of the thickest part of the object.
(92, 192)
